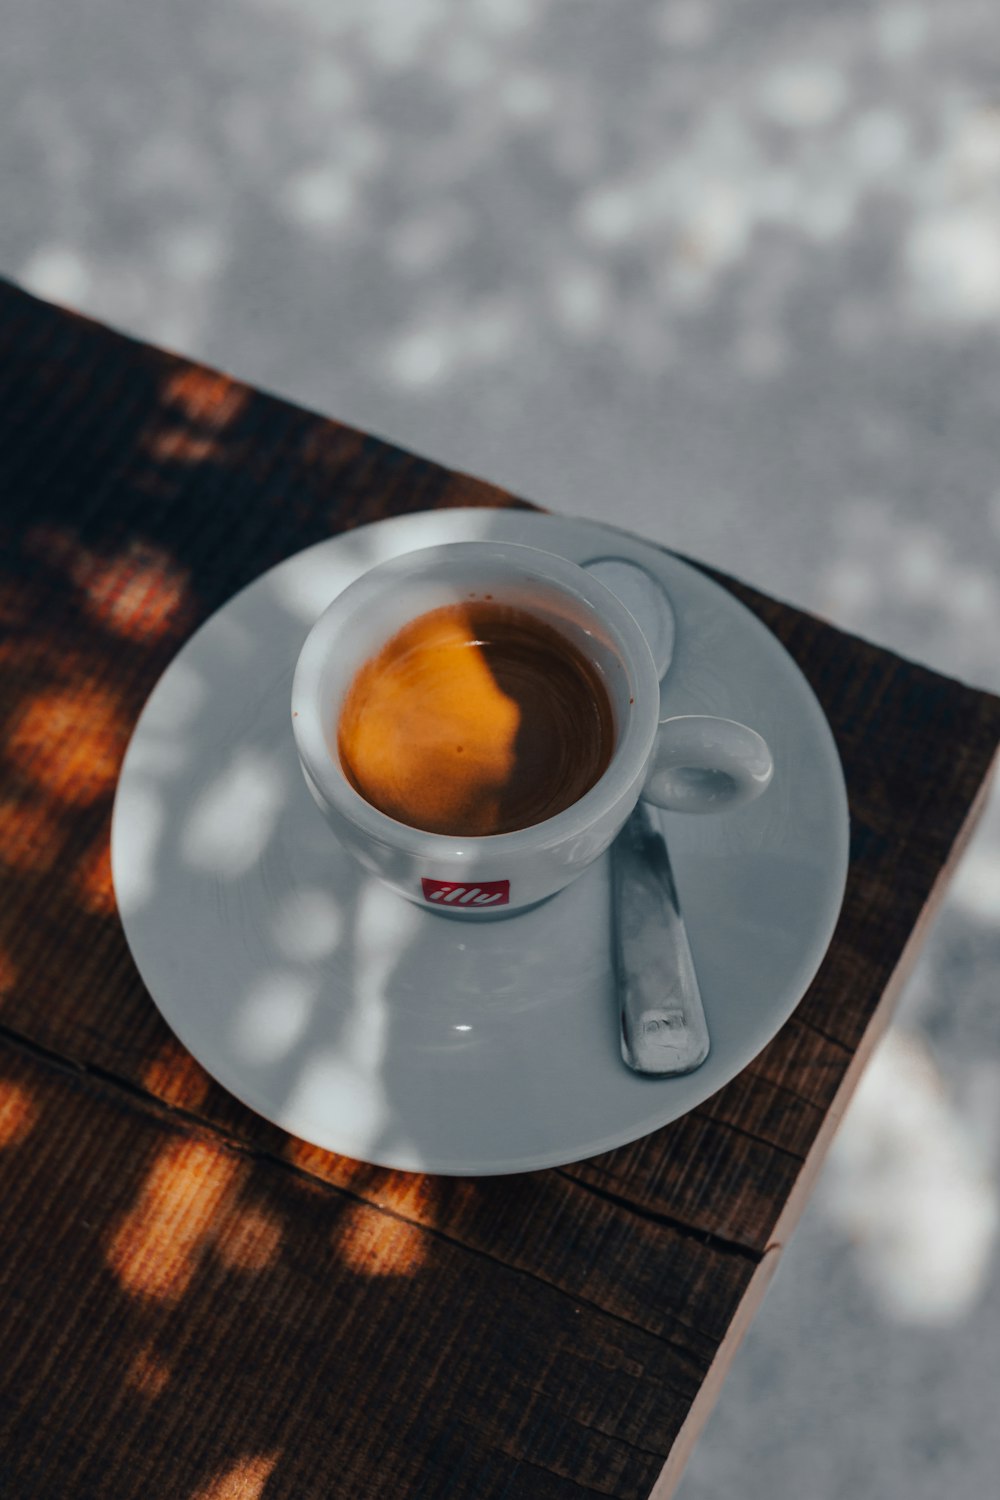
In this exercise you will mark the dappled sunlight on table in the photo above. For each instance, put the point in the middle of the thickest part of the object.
(31, 835)
(155, 1250)
(137, 592)
(147, 1372)
(410, 1195)
(18, 1113)
(205, 396)
(179, 445)
(93, 881)
(372, 1243)
(245, 1480)
(250, 1240)
(70, 741)
(174, 1076)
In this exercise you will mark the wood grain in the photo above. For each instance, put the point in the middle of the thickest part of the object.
(303, 1322)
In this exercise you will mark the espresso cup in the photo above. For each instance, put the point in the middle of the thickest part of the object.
(690, 764)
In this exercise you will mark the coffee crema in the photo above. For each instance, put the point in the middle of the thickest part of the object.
(476, 718)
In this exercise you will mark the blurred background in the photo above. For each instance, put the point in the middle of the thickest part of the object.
(724, 272)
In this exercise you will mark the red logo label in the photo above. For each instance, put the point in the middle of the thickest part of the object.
(486, 893)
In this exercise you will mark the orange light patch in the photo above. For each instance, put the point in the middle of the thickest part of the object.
(309, 1158)
(18, 1112)
(409, 1194)
(94, 884)
(157, 1247)
(148, 1373)
(176, 1078)
(371, 1243)
(30, 836)
(70, 741)
(177, 444)
(205, 396)
(250, 1241)
(367, 1181)
(244, 1481)
(138, 593)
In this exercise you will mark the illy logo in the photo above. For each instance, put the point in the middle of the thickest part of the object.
(447, 893)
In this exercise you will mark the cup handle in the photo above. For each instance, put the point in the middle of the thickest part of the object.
(703, 764)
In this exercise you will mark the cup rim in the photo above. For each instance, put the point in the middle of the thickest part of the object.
(628, 761)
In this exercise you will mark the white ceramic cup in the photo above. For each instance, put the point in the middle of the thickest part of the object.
(689, 764)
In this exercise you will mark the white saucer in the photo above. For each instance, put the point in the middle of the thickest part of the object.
(366, 1025)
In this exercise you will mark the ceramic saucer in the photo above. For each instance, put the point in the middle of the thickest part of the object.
(385, 1032)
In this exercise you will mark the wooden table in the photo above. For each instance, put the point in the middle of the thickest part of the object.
(194, 1305)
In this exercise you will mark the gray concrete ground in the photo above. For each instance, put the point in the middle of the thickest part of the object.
(726, 272)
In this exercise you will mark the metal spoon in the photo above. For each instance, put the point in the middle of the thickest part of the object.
(663, 1027)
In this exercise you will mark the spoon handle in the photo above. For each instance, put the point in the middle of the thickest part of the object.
(663, 1028)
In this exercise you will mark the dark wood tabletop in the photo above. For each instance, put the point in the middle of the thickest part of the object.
(197, 1306)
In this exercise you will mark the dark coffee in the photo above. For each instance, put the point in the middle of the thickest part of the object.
(473, 719)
